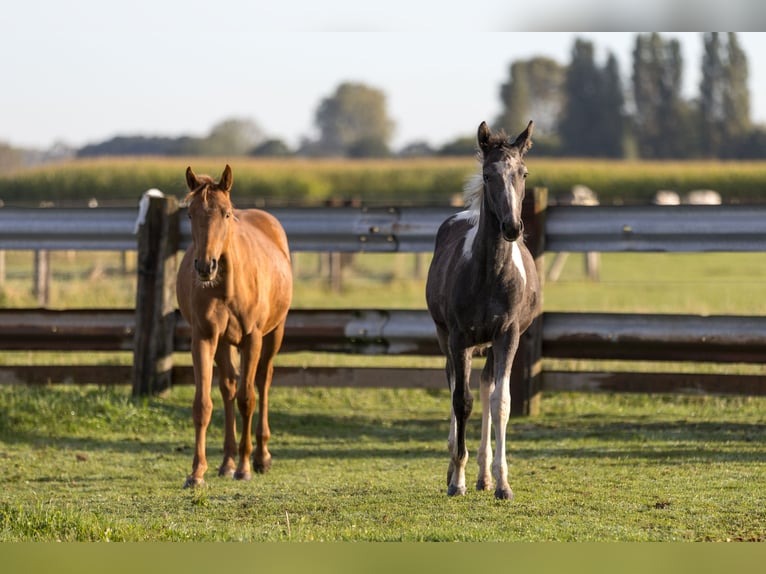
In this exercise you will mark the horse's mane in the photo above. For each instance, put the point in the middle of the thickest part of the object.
(473, 188)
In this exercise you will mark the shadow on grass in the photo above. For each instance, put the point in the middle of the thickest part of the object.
(165, 428)
(678, 440)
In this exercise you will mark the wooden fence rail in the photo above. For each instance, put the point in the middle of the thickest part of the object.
(154, 330)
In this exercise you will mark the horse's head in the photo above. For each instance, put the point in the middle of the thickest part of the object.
(504, 172)
(211, 214)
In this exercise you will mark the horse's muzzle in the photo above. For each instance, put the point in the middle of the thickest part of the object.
(511, 231)
(206, 270)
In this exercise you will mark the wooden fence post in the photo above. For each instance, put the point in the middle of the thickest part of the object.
(526, 373)
(42, 277)
(155, 296)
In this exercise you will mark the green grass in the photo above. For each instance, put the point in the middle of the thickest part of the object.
(365, 465)
(370, 465)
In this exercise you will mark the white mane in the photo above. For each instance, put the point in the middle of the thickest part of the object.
(473, 191)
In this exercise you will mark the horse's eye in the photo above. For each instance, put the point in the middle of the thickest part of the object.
(526, 174)
(188, 215)
(228, 215)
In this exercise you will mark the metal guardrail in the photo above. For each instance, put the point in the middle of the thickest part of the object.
(666, 228)
(684, 228)
(339, 229)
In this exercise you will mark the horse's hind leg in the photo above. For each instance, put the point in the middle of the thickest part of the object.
(250, 353)
(271, 344)
(484, 458)
(227, 383)
(442, 336)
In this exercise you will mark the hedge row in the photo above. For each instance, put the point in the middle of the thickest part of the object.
(412, 181)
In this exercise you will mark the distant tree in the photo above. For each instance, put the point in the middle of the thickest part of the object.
(354, 114)
(612, 121)
(534, 91)
(140, 145)
(233, 136)
(724, 103)
(662, 117)
(417, 149)
(271, 148)
(592, 120)
(368, 147)
(10, 157)
(464, 146)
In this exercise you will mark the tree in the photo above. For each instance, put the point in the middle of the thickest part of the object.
(10, 158)
(534, 91)
(233, 136)
(592, 119)
(724, 104)
(354, 119)
(271, 148)
(662, 117)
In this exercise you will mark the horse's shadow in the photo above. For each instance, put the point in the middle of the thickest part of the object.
(583, 437)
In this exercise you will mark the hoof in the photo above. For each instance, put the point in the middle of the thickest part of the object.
(193, 482)
(504, 494)
(226, 472)
(456, 491)
(242, 475)
(262, 467)
(483, 485)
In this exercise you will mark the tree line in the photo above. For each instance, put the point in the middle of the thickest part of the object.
(581, 108)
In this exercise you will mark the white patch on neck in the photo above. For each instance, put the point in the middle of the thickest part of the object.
(518, 261)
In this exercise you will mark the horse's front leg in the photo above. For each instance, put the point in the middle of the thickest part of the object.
(227, 384)
(462, 405)
(202, 408)
(484, 458)
(504, 347)
(250, 353)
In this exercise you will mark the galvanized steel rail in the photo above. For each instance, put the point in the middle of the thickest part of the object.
(682, 228)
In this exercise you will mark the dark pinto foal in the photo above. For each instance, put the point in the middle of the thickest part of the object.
(483, 292)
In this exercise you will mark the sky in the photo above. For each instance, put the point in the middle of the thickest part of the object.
(84, 71)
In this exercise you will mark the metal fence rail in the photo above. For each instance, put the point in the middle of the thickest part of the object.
(668, 228)
(682, 228)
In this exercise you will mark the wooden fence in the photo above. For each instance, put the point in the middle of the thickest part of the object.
(155, 330)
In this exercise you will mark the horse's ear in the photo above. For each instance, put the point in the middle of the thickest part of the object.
(524, 141)
(484, 136)
(227, 179)
(191, 179)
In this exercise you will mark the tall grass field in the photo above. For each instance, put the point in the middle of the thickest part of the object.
(387, 181)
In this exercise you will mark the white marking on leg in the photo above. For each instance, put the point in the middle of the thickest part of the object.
(500, 402)
(484, 457)
(518, 261)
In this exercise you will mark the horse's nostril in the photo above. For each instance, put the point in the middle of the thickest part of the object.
(213, 264)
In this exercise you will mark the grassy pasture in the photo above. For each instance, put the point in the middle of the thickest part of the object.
(367, 465)
(91, 464)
